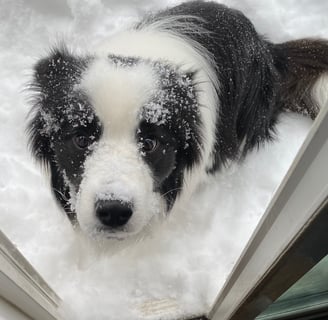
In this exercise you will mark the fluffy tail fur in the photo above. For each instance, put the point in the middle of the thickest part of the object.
(303, 65)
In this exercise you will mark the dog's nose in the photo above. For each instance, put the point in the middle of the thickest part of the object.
(113, 213)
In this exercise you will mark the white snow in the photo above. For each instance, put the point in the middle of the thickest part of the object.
(181, 266)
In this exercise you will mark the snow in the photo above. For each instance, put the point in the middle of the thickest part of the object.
(181, 266)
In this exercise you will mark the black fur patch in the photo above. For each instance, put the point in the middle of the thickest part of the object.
(123, 61)
(61, 112)
(173, 118)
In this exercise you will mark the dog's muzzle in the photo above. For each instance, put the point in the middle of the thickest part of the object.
(113, 213)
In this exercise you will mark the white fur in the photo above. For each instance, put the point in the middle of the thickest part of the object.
(117, 94)
(320, 91)
(116, 171)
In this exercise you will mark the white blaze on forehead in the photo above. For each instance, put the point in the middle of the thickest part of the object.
(117, 93)
(158, 41)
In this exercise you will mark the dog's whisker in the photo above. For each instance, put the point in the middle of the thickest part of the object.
(61, 193)
(168, 192)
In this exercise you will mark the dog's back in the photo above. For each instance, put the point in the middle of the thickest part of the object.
(257, 79)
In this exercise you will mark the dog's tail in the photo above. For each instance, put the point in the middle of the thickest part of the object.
(303, 66)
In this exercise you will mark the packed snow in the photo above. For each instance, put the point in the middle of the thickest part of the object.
(179, 268)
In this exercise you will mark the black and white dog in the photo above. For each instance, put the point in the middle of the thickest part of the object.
(129, 131)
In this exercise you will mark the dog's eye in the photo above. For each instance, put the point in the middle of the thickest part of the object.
(149, 145)
(81, 141)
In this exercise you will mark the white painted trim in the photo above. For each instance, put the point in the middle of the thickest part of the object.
(22, 286)
(11, 312)
(293, 207)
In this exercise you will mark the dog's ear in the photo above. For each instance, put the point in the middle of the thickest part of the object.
(301, 63)
(52, 75)
(59, 70)
(47, 85)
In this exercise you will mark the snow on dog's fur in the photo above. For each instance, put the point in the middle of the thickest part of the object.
(130, 130)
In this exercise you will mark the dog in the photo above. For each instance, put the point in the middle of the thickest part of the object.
(129, 131)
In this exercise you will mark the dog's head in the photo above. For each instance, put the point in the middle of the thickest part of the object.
(118, 135)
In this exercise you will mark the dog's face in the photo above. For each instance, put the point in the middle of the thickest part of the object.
(119, 135)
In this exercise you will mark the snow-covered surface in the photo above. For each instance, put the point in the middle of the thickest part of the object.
(179, 268)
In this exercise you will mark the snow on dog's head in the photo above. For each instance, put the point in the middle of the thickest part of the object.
(120, 136)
